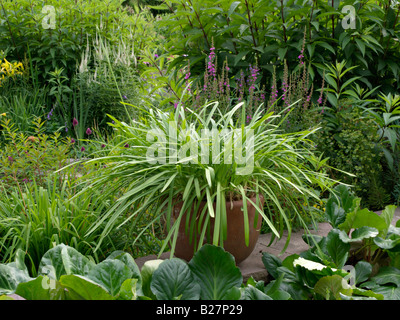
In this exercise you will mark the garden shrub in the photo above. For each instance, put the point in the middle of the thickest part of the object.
(24, 157)
(352, 146)
(9, 70)
(250, 32)
(26, 30)
(105, 78)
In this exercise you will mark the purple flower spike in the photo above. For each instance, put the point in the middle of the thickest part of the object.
(83, 149)
(74, 122)
(126, 146)
(103, 146)
(88, 131)
(72, 140)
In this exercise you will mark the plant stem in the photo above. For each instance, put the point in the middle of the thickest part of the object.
(9, 29)
(250, 23)
(234, 42)
(333, 21)
(162, 75)
(201, 25)
(283, 23)
(394, 27)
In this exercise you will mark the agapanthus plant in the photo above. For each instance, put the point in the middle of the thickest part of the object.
(169, 159)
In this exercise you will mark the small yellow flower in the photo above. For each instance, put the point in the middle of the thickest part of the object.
(8, 69)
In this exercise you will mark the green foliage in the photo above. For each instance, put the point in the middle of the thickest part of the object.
(26, 158)
(26, 28)
(276, 171)
(105, 77)
(351, 142)
(249, 32)
(360, 239)
(65, 274)
(33, 218)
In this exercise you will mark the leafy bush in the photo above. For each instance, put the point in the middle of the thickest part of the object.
(33, 218)
(284, 167)
(65, 274)
(27, 30)
(24, 158)
(263, 33)
(357, 260)
(10, 70)
(351, 142)
(107, 76)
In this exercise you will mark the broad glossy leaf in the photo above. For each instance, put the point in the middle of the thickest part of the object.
(233, 294)
(10, 278)
(41, 288)
(389, 243)
(296, 290)
(19, 262)
(273, 289)
(363, 270)
(336, 248)
(334, 213)
(130, 290)
(173, 279)
(215, 271)
(52, 264)
(388, 214)
(367, 293)
(361, 294)
(128, 260)
(147, 274)
(233, 7)
(271, 263)
(330, 287)
(252, 293)
(388, 275)
(75, 262)
(110, 274)
(364, 218)
(82, 288)
(288, 261)
(359, 234)
(388, 292)
(62, 260)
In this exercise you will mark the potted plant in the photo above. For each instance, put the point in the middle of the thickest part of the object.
(191, 169)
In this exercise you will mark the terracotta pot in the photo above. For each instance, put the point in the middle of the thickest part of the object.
(235, 242)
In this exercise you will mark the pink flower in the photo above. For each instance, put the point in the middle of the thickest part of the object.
(83, 149)
(74, 122)
(72, 140)
(88, 131)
